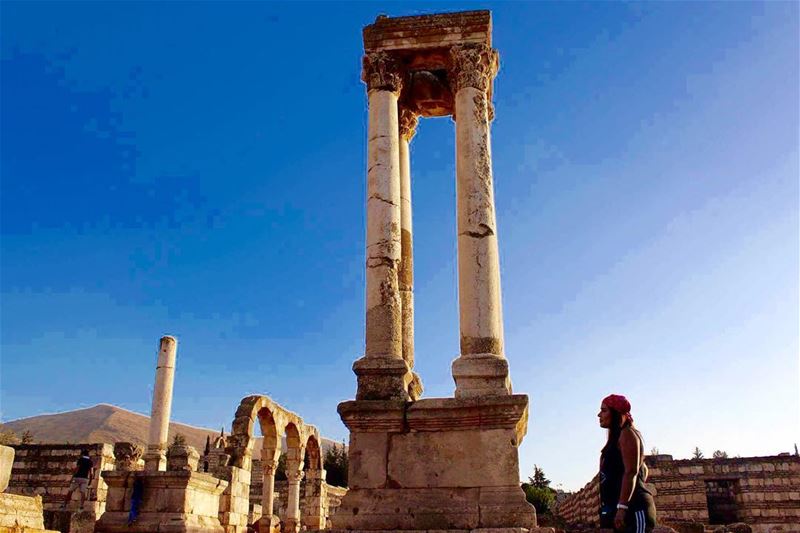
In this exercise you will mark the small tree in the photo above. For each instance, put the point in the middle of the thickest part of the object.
(178, 440)
(280, 470)
(538, 491)
(27, 437)
(654, 451)
(719, 454)
(336, 464)
(697, 453)
(539, 480)
(542, 498)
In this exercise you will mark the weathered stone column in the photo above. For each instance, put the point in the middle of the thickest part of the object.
(268, 494)
(482, 369)
(408, 121)
(293, 476)
(382, 372)
(156, 457)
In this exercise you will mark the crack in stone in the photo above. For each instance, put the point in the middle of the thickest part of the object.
(378, 197)
(379, 137)
(374, 262)
(485, 231)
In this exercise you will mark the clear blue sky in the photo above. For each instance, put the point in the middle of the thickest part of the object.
(198, 169)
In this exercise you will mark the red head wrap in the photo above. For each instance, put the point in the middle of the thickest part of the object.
(620, 404)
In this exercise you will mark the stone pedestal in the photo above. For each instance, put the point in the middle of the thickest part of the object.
(172, 502)
(21, 513)
(469, 478)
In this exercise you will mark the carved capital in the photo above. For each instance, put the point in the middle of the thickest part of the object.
(472, 65)
(408, 121)
(294, 476)
(380, 71)
(269, 467)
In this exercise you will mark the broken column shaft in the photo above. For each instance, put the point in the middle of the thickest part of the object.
(156, 458)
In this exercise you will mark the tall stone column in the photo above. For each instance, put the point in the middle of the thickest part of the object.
(292, 522)
(268, 495)
(382, 372)
(408, 121)
(481, 369)
(155, 458)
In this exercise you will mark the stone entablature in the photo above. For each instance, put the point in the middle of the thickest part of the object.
(763, 492)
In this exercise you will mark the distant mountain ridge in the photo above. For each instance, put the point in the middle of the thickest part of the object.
(109, 423)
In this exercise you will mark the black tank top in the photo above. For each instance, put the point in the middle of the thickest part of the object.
(612, 469)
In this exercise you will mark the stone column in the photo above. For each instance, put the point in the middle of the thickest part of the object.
(408, 121)
(156, 458)
(268, 495)
(382, 372)
(481, 369)
(293, 476)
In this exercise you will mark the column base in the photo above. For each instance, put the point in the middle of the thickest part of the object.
(269, 524)
(481, 375)
(382, 378)
(468, 480)
(155, 458)
(290, 525)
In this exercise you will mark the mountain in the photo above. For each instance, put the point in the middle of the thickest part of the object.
(109, 423)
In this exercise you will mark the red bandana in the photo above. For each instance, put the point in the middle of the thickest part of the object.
(620, 404)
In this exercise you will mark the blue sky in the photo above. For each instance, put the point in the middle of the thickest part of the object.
(198, 169)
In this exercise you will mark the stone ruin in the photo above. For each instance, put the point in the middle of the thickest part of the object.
(697, 495)
(18, 513)
(443, 464)
(437, 463)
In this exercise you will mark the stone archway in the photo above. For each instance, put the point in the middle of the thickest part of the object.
(315, 497)
(276, 423)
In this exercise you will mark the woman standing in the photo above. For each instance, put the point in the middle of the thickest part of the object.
(625, 503)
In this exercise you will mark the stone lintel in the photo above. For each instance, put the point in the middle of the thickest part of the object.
(428, 31)
(484, 412)
(382, 416)
(173, 479)
(437, 414)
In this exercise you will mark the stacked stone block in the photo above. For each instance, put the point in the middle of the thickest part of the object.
(766, 492)
(582, 508)
(46, 470)
(234, 504)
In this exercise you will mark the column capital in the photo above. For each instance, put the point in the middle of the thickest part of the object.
(380, 71)
(408, 121)
(294, 476)
(269, 467)
(472, 65)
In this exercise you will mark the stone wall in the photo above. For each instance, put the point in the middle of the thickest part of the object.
(582, 507)
(763, 492)
(46, 470)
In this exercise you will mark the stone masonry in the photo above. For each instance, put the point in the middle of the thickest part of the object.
(763, 492)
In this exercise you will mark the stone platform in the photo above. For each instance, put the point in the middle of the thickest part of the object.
(21, 514)
(172, 502)
(434, 465)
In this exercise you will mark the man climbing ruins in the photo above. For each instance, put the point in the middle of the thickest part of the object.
(84, 471)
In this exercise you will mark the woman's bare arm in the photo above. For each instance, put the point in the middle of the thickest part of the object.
(629, 446)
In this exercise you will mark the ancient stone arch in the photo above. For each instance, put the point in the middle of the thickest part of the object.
(302, 440)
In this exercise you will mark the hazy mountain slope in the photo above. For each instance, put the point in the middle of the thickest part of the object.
(109, 423)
